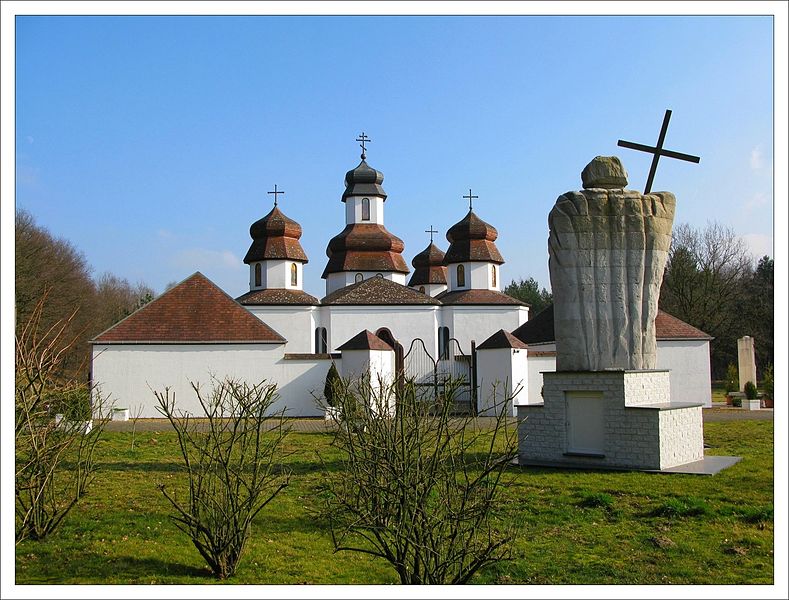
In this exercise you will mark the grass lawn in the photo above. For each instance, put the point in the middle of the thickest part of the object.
(579, 527)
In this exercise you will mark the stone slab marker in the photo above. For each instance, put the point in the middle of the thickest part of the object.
(608, 247)
(746, 361)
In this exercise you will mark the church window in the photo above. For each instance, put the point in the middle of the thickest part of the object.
(493, 275)
(321, 341)
(461, 276)
(422, 289)
(359, 278)
(443, 343)
(365, 209)
(381, 275)
(294, 274)
(258, 275)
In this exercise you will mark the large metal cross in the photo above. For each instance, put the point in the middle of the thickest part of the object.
(658, 151)
(276, 192)
(363, 139)
(470, 198)
(431, 231)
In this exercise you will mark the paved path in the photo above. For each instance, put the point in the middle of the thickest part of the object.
(319, 424)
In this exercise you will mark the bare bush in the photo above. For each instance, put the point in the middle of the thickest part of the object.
(230, 459)
(419, 487)
(54, 460)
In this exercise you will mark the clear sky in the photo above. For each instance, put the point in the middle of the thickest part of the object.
(150, 142)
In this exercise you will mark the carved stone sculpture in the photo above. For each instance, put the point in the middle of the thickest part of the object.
(608, 248)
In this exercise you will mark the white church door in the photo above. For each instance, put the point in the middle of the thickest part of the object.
(585, 423)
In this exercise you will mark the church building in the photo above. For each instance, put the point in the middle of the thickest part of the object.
(434, 319)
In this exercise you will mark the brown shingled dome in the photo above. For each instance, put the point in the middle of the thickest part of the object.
(429, 267)
(365, 247)
(275, 236)
(472, 240)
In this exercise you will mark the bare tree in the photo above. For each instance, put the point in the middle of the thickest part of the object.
(54, 461)
(230, 461)
(418, 488)
(705, 284)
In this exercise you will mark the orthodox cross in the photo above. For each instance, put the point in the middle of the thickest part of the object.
(658, 151)
(276, 192)
(363, 139)
(431, 231)
(470, 198)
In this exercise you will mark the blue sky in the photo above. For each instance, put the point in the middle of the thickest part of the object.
(150, 142)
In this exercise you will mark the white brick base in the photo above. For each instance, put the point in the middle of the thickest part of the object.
(642, 428)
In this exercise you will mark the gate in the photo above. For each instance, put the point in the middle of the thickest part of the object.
(431, 376)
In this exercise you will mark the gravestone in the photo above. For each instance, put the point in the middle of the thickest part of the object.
(746, 361)
(606, 405)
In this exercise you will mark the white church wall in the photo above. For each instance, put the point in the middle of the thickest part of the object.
(129, 373)
(478, 323)
(301, 383)
(689, 364)
(295, 323)
(379, 365)
(405, 322)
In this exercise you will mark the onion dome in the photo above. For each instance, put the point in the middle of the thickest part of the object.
(365, 247)
(363, 181)
(472, 240)
(429, 267)
(275, 236)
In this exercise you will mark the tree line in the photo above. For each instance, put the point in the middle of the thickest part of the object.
(53, 269)
(712, 282)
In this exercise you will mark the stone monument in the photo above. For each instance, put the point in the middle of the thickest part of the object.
(746, 361)
(606, 405)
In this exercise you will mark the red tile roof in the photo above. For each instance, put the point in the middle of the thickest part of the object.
(429, 267)
(274, 296)
(194, 311)
(501, 339)
(377, 291)
(275, 236)
(539, 329)
(365, 340)
(472, 240)
(478, 297)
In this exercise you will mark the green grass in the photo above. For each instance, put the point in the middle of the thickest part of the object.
(582, 527)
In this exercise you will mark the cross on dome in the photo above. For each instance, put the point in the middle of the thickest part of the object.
(276, 192)
(363, 139)
(431, 231)
(470, 197)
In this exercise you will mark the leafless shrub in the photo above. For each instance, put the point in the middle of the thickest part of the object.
(54, 460)
(419, 487)
(230, 463)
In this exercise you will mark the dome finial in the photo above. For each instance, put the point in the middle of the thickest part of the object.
(276, 192)
(363, 139)
(470, 198)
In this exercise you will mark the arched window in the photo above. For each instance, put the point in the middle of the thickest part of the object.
(461, 276)
(493, 275)
(379, 275)
(359, 278)
(258, 275)
(422, 289)
(294, 274)
(321, 341)
(443, 343)
(365, 209)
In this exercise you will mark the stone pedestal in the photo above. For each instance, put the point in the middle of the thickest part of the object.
(610, 419)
